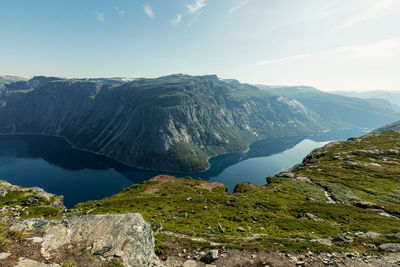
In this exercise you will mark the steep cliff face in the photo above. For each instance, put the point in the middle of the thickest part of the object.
(171, 123)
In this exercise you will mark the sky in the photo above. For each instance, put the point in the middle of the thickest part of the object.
(348, 45)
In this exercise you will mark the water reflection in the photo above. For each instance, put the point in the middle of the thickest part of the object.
(53, 164)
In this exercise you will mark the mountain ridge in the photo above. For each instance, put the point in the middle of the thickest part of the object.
(171, 123)
(339, 110)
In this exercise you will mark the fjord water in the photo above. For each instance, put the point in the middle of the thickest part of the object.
(51, 163)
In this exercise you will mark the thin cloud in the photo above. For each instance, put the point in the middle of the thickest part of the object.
(377, 50)
(120, 12)
(99, 16)
(284, 59)
(378, 9)
(196, 6)
(239, 5)
(176, 20)
(149, 11)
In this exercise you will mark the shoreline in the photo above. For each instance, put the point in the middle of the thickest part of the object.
(149, 169)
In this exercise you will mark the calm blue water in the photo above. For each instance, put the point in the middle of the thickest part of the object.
(51, 163)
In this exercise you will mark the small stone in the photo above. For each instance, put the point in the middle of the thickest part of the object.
(36, 239)
(221, 229)
(190, 263)
(312, 217)
(188, 199)
(31, 200)
(211, 256)
(324, 241)
(4, 255)
(241, 229)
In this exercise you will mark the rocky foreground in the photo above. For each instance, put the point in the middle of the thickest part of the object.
(340, 207)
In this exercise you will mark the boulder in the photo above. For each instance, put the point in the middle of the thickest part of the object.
(344, 239)
(126, 236)
(313, 217)
(3, 192)
(286, 175)
(372, 235)
(392, 247)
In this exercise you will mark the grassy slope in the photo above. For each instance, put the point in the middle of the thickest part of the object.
(274, 216)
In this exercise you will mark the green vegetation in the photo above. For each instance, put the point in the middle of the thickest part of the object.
(287, 214)
(68, 264)
(22, 203)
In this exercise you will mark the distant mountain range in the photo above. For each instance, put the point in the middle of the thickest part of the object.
(176, 122)
(340, 111)
(392, 96)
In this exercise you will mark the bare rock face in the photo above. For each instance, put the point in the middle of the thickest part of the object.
(124, 236)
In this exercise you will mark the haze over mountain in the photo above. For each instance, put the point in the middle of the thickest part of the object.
(392, 96)
(340, 111)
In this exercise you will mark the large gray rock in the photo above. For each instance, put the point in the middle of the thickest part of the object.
(126, 236)
(393, 247)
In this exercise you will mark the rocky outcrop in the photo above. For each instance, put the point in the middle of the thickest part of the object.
(395, 126)
(124, 236)
(17, 202)
(172, 123)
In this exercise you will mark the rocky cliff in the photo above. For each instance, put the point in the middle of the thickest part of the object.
(172, 123)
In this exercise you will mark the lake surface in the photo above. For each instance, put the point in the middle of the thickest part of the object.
(51, 163)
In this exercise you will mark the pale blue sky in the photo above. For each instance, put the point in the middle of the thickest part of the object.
(333, 45)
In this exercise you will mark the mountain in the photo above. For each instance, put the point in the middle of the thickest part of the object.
(392, 96)
(172, 123)
(339, 111)
(390, 127)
